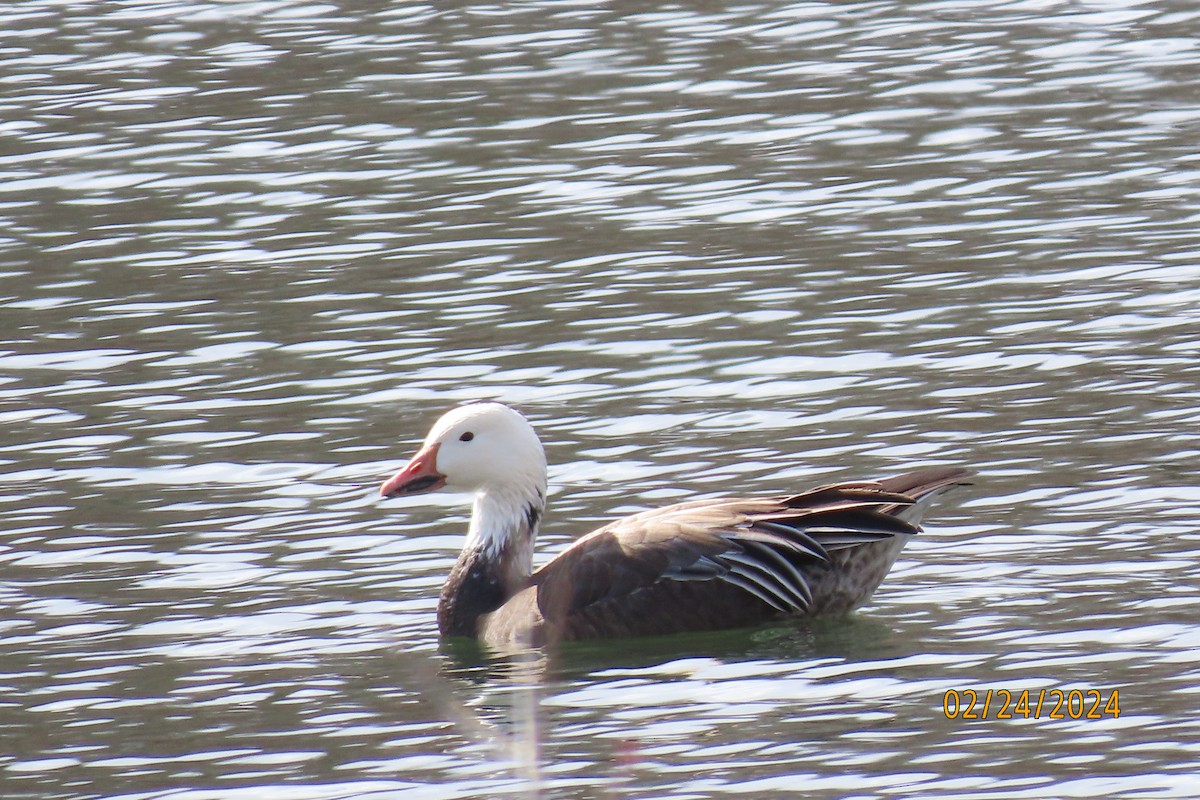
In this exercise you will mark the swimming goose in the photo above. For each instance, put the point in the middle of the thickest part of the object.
(698, 565)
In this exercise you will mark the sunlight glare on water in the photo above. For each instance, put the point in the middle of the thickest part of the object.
(250, 251)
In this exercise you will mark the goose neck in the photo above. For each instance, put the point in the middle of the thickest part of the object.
(496, 560)
(504, 518)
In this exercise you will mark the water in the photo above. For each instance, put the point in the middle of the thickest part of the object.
(250, 251)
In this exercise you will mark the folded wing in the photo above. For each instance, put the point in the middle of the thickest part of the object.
(712, 564)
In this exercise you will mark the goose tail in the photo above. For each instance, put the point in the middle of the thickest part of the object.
(923, 486)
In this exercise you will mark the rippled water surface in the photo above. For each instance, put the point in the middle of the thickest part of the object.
(250, 250)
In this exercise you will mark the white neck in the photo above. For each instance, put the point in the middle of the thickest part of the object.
(507, 519)
(496, 560)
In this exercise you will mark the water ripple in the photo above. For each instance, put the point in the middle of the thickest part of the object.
(251, 250)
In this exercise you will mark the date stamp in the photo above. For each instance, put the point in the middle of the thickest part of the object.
(1026, 704)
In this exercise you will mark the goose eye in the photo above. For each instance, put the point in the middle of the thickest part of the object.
(466, 437)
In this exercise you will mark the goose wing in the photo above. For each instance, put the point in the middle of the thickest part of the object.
(710, 564)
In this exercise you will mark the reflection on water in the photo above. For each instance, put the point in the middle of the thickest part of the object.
(249, 251)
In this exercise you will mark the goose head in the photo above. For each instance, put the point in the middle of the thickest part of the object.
(481, 448)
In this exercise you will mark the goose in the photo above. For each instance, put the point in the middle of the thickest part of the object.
(699, 565)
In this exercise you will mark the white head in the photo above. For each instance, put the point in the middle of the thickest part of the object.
(482, 448)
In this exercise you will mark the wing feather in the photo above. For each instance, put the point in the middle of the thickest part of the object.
(762, 573)
(791, 575)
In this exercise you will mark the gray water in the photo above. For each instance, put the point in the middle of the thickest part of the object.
(249, 251)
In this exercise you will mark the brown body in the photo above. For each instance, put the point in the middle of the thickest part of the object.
(670, 570)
